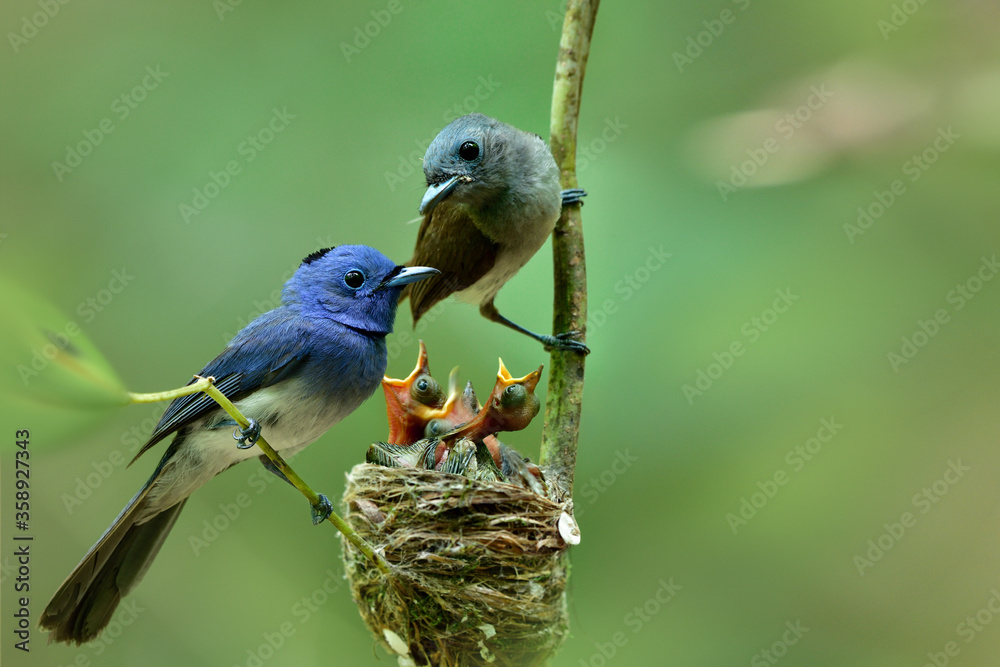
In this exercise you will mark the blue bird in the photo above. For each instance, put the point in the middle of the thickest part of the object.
(296, 370)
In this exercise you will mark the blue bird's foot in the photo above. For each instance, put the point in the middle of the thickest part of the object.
(247, 437)
(573, 196)
(322, 510)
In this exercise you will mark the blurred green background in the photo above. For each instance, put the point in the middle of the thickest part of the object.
(740, 138)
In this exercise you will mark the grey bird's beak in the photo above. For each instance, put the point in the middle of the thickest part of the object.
(409, 274)
(436, 193)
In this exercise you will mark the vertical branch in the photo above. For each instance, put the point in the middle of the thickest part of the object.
(565, 396)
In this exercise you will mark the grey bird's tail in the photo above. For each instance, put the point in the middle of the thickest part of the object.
(83, 605)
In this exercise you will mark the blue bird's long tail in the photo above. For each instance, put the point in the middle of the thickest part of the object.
(85, 602)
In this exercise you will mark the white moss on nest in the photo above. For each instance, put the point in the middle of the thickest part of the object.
(479, 568)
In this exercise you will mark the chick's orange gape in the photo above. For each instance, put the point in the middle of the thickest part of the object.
(453, 433)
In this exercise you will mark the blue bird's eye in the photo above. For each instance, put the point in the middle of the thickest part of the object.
(354, 279)
(468, 151)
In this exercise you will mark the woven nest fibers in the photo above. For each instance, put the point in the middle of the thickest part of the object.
(479, 568)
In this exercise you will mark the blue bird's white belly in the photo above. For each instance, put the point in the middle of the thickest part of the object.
(291, 417)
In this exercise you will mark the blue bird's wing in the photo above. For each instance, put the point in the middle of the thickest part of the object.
(264, 353)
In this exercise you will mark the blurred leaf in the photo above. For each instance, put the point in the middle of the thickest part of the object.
(48, 363)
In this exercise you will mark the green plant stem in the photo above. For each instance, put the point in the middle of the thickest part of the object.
(201, 384)
(207, 385)
(565, 394)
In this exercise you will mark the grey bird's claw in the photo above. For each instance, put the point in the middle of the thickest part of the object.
(564, 341)
(322, 510)
(573, 196)
(247, 437)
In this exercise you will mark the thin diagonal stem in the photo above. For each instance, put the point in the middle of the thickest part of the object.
(207, 385)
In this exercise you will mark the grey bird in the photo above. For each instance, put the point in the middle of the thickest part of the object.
(493, 197)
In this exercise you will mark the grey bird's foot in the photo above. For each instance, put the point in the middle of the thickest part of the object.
(247, 437)
(322, 510)
(564, 341)
(573, 196)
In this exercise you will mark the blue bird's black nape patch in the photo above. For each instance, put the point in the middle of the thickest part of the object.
(309, 259)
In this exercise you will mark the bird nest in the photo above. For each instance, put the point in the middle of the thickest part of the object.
(478, 568)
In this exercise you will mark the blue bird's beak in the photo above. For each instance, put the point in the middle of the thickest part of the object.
(404, 275)
(436, 193)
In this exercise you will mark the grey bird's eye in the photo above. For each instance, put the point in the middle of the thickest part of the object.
(354, 279)
(468, 151)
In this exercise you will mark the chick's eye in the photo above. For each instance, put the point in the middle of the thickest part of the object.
(435, 427)
(354, 279)
(468, 151)
(427, 391)
(513, 395)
